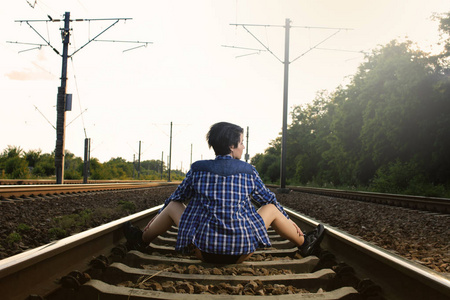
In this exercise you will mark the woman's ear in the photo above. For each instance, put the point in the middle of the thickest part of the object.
(231, 150)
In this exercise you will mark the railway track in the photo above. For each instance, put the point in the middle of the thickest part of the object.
(32, 190)
(23, 189)
(95, 265)
(66, 181)
(439, 205)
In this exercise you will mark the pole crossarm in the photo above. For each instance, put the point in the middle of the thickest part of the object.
(48, 43)
(303, 27)
(315, 46)
(88, 42)
(143, 44)
(44, 117)
(267, 48)
(258, 51)
(342, 50)
(50, 19)
(244, 48)
(74, 20)
(39, 46)
(77, 117)
(257, 25)
(21, 43)
(332, 28)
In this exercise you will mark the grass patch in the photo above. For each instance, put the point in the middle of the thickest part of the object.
(56, 233)
(13, 237)
(127, 205)
(23, 228)
(74, 220)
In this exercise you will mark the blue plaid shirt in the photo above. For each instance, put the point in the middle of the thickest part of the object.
(220, 217)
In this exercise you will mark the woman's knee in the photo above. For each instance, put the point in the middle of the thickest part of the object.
(175, 210)
(268, 213)
(267, 209)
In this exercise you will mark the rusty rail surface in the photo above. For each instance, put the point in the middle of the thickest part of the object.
(21, 191)
(66, 181)
(95, 264)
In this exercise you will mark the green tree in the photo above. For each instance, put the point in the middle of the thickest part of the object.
(73, 166)
(391, 121)
(45, 166)
(118, 168)
(33, 157)
(444, 29)
(310, 124)
(14, 164)
(98, 171)
(268, 165)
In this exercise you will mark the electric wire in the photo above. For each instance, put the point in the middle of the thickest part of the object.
(78, 97)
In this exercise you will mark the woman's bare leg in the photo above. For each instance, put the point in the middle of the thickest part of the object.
(282, 225)
(163, 221)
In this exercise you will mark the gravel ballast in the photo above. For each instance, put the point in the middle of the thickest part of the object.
(419, 236)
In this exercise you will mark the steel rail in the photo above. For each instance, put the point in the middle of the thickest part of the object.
(66, 181)
(40, 271)
(37, 181)
(37, 271)
(17, 191)
(398, 277)
(434, 204)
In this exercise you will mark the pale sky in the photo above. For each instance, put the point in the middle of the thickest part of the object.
(186, 76)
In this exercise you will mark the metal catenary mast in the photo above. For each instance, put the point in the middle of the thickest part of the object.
(64, 100)
(286, 63)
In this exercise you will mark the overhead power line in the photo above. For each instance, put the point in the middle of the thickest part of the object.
(286, 63)
(62, 104)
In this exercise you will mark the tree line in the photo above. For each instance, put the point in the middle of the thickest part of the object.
(15, 163)
(388, 130)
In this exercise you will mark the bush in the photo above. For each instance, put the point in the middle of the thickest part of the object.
(404, 178)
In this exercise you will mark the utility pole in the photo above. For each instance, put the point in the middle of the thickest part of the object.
(139, 161)
(134, 166)
(246, 148)
(63, 101)
(162, 164)
(286, 63)
(61, 105)
(87, 159)
(191, 158)
(170, 151)
(285, 107)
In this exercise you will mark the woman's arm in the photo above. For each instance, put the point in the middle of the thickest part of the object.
(264, 196)
(183, 192)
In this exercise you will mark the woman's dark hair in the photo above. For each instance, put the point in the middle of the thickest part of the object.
(221, 136)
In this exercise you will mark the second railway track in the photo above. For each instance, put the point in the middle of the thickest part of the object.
(33, 190)
(96, 265)
(433, 204)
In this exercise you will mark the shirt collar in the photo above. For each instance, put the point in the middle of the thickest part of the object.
(228, 156)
